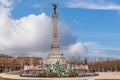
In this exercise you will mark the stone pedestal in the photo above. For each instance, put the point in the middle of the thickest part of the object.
(53, 58)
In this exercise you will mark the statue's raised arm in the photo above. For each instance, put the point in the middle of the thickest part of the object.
(54, 7)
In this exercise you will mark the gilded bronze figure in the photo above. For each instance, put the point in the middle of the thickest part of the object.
(54, 7)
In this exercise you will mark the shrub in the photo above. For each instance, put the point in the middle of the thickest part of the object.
(73, 74)
(59, 74)
(48, 74)
(52, 74)
(44, 74)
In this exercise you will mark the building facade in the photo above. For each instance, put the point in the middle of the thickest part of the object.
(9, 63)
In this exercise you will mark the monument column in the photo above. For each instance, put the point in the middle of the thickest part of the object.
(55, 43)
(55, 54)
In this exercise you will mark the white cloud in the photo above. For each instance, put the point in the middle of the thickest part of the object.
(77, 49)
(96, 49)
(91, 49)
(93, 4)
(6, 3)
(29, 35)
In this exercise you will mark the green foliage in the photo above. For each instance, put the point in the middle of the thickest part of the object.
(44, 74)
(48, 74)
(58, 74)
(107, 79)
(52, 74)
(72, 74)
(6, 79)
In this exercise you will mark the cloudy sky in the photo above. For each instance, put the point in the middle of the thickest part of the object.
(86, 27)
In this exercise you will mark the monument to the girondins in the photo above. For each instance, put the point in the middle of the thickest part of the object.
(55, 55)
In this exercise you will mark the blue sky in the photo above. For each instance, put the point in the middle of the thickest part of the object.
(89, 24)
(92, 21)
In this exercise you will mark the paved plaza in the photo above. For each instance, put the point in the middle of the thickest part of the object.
(107, 75)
